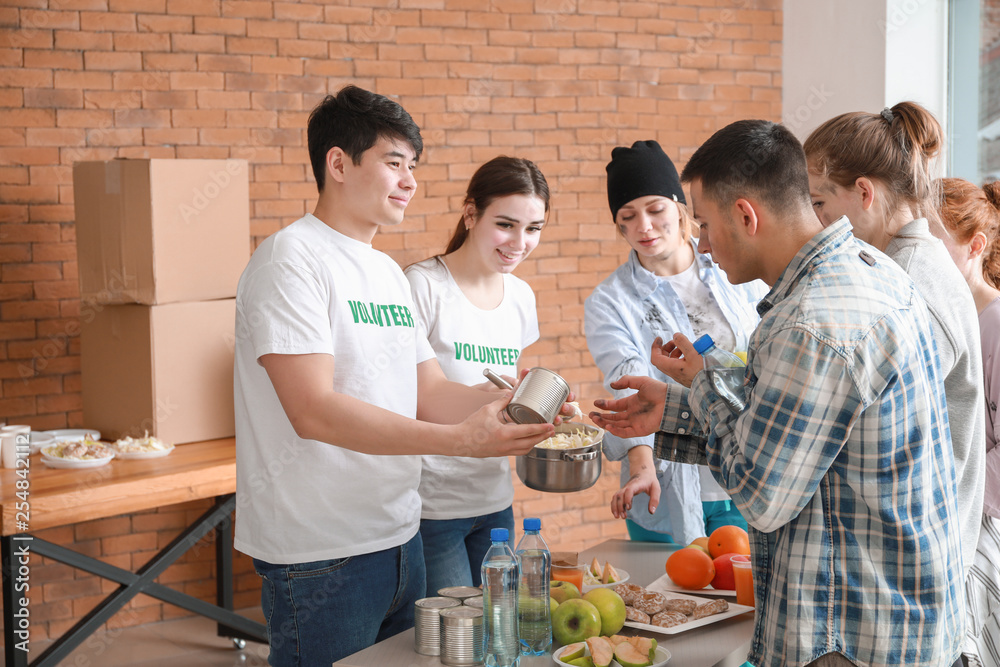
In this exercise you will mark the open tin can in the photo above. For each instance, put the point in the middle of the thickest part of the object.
(539, 397)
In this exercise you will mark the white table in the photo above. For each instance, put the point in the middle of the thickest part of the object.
(722, 644)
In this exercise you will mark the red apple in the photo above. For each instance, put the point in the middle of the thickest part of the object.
(724, 579)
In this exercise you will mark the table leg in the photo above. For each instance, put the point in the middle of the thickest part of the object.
(14, 597)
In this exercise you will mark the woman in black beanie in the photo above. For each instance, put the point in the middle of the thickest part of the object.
(664, 287)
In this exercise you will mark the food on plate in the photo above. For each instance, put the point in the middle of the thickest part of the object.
(690, 568)
(646, 644)
(129, 445)
(575, 620)
(617, 639)
(700, 543)
(577, 438)
(655, 608)
(596, 575)
(573, 652)
(585, 661)
(728, 540)
(710, 608)
(636, 616)
(628, 592)
(611, 608)
(668, 619)
(628, 655)
(724, 577)
(682, 606)
(601, 651)
(650, 603)
(81, 450)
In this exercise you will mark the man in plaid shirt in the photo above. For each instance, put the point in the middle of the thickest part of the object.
(835, 444)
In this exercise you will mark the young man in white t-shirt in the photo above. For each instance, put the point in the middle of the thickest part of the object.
(333, 373)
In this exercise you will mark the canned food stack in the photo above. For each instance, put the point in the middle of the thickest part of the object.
(427, 623)
(462, 636)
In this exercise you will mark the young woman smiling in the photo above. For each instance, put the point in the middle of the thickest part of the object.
(477, 315)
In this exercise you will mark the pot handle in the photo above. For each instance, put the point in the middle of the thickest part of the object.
(586, 456)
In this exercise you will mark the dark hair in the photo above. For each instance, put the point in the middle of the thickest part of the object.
(500, 177)
(353, 120)
(967, 210)
(752, 158)
(894, 147)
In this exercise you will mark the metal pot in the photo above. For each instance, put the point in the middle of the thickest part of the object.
(562, 470)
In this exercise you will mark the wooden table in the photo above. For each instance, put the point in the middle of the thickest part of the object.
(722, 644)
(34, 497)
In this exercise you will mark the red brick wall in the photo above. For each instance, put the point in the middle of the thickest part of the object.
(558, 81)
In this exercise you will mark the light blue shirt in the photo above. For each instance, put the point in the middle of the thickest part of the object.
(622, 317)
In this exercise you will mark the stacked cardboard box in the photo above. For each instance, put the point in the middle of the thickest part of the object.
(161, 245)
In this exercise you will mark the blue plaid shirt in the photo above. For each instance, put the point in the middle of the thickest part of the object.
(841, 463)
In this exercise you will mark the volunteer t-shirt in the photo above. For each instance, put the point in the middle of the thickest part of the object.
(311, 290)
(466, 339)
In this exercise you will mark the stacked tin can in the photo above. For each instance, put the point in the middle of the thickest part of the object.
(427, 623)
(462, 636)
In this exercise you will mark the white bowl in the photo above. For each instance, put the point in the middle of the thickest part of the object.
(621, 573)
(662, 656)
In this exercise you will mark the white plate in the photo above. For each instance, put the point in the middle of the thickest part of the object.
(74, 434)
(621, 573)
(662, 656)
(39, 439)
(73, 463)
(142, 454)
(665, 583)
(734, 610)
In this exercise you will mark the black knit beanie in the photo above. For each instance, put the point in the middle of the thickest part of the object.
(641, 171)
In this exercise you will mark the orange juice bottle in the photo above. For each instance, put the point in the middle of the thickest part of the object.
(573, 575)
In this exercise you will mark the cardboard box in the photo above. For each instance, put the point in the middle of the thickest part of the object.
(165, 369)
(161, 231)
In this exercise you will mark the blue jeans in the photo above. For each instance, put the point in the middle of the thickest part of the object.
(454, 548)
(323, 611)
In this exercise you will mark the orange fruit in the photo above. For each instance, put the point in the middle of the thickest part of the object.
(724, 578)
(690, 568)
(728, 540)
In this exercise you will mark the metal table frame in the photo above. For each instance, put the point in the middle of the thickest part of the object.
(230, 624)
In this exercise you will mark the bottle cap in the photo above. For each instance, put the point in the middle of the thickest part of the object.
(703, 343)
(499, 535)
(533, 524)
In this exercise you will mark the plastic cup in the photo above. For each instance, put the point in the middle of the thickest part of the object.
(11, 437)
(572, 574)
(743, 576)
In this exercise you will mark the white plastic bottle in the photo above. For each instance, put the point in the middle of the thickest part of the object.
(500, 579)
(729, 382)
(534, 622)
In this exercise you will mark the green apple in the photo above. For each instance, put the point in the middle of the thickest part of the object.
(573, 652)
(629, 656)
(611, 608)
(575, 620)
(552, 606)
(560, 591)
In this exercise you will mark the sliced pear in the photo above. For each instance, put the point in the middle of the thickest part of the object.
(611, 575)
(573, 651)
(629, 656)
(595, 567)
(585, 661)
(617, 639)
(601, 651)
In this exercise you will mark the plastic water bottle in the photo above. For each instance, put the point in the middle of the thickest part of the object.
(500, 577)
(534, 624)
(729, 382)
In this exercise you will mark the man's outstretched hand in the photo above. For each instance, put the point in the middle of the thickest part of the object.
(635, 415)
